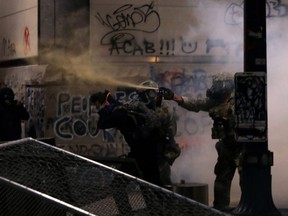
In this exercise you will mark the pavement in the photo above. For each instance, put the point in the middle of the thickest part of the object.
(283, 212)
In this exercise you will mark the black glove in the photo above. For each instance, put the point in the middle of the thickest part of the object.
(168, 94)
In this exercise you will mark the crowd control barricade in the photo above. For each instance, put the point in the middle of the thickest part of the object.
(40, 179)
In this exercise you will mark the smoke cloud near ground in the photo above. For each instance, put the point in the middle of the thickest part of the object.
(197, 162)
(278, 110)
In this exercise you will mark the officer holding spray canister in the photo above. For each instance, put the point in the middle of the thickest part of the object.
(219, 103)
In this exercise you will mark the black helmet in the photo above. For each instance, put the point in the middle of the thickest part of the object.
(7, 94)
(149, 84)
(221, 89)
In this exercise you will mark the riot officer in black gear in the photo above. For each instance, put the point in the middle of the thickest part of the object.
(12, 112)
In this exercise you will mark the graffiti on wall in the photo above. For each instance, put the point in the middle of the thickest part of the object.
(110, 144)
(26, 35)
(75, 117)
(127, 30)
(274, 8)
(35, 105)
(8, 48)
(192, 83)
(73, 123)
(123, 22)
(128, 18)
(74, 120)
(124, 30)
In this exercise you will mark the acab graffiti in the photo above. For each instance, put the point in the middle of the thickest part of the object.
(122, 29)
(126, 29)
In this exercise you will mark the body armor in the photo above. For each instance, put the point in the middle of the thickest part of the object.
(223, 120)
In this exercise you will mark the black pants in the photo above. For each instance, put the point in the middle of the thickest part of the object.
(224, 170)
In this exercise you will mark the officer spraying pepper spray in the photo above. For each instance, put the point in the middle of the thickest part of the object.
(219, 103)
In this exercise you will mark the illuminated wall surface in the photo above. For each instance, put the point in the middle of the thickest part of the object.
(179, 44)
(166, 29)
(19, 29)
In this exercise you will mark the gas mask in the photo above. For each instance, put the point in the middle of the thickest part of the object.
(148, 97)
(148, 93)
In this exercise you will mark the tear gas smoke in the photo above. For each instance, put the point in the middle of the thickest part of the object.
(78, 68)
(197, 161)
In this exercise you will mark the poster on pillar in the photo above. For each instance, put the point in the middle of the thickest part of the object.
(251, 107)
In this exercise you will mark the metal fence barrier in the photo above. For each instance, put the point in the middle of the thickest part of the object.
(39, 179)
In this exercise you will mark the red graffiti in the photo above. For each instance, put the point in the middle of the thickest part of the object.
(26, 40)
